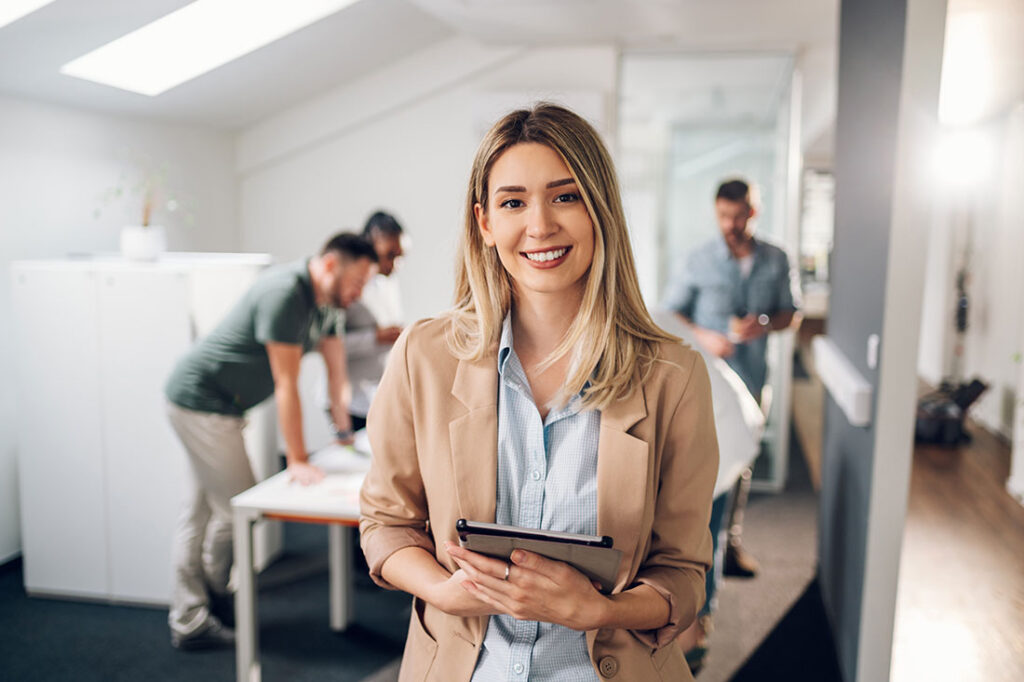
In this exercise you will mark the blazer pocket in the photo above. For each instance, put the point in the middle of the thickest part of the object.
(670, 663)
(420, 647)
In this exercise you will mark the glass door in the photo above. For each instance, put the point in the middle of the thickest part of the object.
(686, 123)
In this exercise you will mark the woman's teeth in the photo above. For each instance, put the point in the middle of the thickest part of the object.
(543, 256)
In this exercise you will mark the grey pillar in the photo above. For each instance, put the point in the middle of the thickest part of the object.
(890, 54)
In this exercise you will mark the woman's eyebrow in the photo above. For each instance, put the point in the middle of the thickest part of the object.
(550, 185)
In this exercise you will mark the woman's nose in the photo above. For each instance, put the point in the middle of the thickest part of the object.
(540, 223)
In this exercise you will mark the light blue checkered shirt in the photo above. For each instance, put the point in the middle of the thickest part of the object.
(711, 288)
(547, 478)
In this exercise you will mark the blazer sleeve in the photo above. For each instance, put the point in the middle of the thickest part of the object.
(393, 502)
(681, 550)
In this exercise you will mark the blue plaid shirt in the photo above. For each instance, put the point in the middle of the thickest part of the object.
(547, 478)
(710, 289)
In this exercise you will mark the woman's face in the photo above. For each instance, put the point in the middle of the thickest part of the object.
(537, 220)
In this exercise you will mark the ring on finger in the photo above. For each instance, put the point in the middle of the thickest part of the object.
(508, 570)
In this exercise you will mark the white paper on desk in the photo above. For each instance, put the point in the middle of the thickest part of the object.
(345, 486)
(336, 458)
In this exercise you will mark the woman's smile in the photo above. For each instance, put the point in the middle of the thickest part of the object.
(547, 258)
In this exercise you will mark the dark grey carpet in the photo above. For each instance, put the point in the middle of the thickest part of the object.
(45, 639)
(800, 647)
(781, 532)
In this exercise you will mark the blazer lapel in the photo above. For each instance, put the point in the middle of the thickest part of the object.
(474, 438)
(622, 463)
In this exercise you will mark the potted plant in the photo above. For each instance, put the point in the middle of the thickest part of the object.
(144, 240)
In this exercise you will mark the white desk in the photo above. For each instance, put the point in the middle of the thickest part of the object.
(335, 502)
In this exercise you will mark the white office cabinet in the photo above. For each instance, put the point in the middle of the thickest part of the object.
(60, 439)
(102, 473)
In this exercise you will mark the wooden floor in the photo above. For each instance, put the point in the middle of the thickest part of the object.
(960, 602)
(809, 419)
(960, 606)
(809, 401)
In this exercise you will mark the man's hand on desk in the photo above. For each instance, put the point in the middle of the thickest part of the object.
(305, 473)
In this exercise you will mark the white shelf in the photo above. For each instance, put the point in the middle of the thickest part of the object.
(851, 391)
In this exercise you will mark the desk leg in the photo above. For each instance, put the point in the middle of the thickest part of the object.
(247, 641)
(339, 559)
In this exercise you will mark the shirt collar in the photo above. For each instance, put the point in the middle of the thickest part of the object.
(505, 352)
(505, 344)
(722, 249)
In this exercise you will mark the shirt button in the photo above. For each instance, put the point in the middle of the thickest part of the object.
(609, 666)
(535, 475)
(518, 668)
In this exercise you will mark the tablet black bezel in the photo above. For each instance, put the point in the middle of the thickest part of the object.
(464, 528)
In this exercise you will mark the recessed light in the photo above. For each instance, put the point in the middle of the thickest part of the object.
(12, 10)
(193, 40)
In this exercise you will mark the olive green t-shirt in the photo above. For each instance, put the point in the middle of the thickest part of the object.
(229, 371)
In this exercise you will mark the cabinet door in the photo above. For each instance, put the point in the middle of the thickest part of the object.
(144, 329)
(60, 458)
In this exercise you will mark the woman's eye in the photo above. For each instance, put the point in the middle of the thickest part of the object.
(511, 203)
(567, 197)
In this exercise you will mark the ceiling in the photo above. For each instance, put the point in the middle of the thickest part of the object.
(720, 89)
(371, 34)
(692, 24)
(361, 38)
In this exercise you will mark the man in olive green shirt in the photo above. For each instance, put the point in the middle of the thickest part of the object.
(255, 352)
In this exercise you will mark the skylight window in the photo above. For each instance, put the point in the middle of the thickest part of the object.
(193, 40)
(12, 10)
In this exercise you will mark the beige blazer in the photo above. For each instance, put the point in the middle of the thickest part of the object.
(434, 433)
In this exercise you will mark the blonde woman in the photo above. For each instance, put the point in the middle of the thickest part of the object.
(547, 398)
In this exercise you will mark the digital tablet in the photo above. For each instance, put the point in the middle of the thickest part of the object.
(591, 555)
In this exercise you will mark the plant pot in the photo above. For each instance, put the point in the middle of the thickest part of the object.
(143, 242)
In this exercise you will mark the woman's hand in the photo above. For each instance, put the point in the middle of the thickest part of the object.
(453, 599)
(537, 588)
(416, 571)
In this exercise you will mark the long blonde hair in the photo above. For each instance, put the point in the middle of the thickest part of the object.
(613, 341)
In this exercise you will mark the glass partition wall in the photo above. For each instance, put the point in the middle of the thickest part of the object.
(686, 122)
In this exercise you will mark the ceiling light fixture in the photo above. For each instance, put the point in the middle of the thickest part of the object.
(12, 10)
(193, 40)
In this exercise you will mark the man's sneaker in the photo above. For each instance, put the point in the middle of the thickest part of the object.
(213, 636)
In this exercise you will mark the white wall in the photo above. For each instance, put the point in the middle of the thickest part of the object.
(403, 139)
(989, 216)
(55, 164)
(816, 65)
